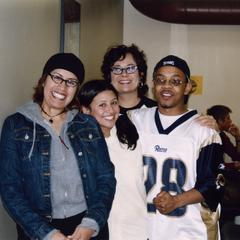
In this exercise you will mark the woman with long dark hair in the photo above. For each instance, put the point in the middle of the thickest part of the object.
(127, 218)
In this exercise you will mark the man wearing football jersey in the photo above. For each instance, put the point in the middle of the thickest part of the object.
(180, 157)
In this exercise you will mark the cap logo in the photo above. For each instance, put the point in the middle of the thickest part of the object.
(168, 63)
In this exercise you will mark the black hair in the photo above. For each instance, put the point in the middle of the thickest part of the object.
(126, 131)
(119, 52)
(219, 112)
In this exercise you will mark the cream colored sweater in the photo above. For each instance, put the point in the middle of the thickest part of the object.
(128, 216)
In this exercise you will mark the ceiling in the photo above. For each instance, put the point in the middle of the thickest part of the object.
(222, 12)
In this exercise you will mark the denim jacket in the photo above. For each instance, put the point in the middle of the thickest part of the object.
(25, 171)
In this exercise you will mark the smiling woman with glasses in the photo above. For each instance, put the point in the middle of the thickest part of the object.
(49, 183)
(125, 67)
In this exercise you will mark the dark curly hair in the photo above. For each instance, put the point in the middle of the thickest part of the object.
(119, 52)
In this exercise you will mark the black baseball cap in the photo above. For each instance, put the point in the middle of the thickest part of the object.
(174, 61)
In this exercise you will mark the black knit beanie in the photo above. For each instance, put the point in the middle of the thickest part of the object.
(67, 61)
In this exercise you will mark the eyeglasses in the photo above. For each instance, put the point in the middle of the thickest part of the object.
(129, 69)
(68, 82)
(175, 82)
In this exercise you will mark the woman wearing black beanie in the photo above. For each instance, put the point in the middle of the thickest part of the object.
(56, 179)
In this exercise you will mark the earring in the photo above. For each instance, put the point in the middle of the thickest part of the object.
(141, 84)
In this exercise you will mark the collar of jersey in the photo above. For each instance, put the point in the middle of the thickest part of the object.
(178, 122)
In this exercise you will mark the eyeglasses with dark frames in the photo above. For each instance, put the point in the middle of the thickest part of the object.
(129, 69)
(59, 80)
(174, 82)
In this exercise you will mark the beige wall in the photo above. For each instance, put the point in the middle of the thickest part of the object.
(212, 51)
(101, 26)
(29, 31)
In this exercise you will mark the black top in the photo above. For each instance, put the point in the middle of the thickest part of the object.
(147, 102)
(229, 148)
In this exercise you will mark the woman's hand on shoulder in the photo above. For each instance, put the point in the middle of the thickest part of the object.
(207, 121)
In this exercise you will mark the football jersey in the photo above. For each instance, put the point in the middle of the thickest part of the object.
(174, 158)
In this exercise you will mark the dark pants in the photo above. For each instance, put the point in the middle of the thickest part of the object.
(67, 227)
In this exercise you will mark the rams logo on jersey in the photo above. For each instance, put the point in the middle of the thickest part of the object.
(157, 148)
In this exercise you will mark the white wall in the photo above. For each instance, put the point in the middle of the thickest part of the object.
(101, 26)
(29, 34)
(211, 51)
(29, 31)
